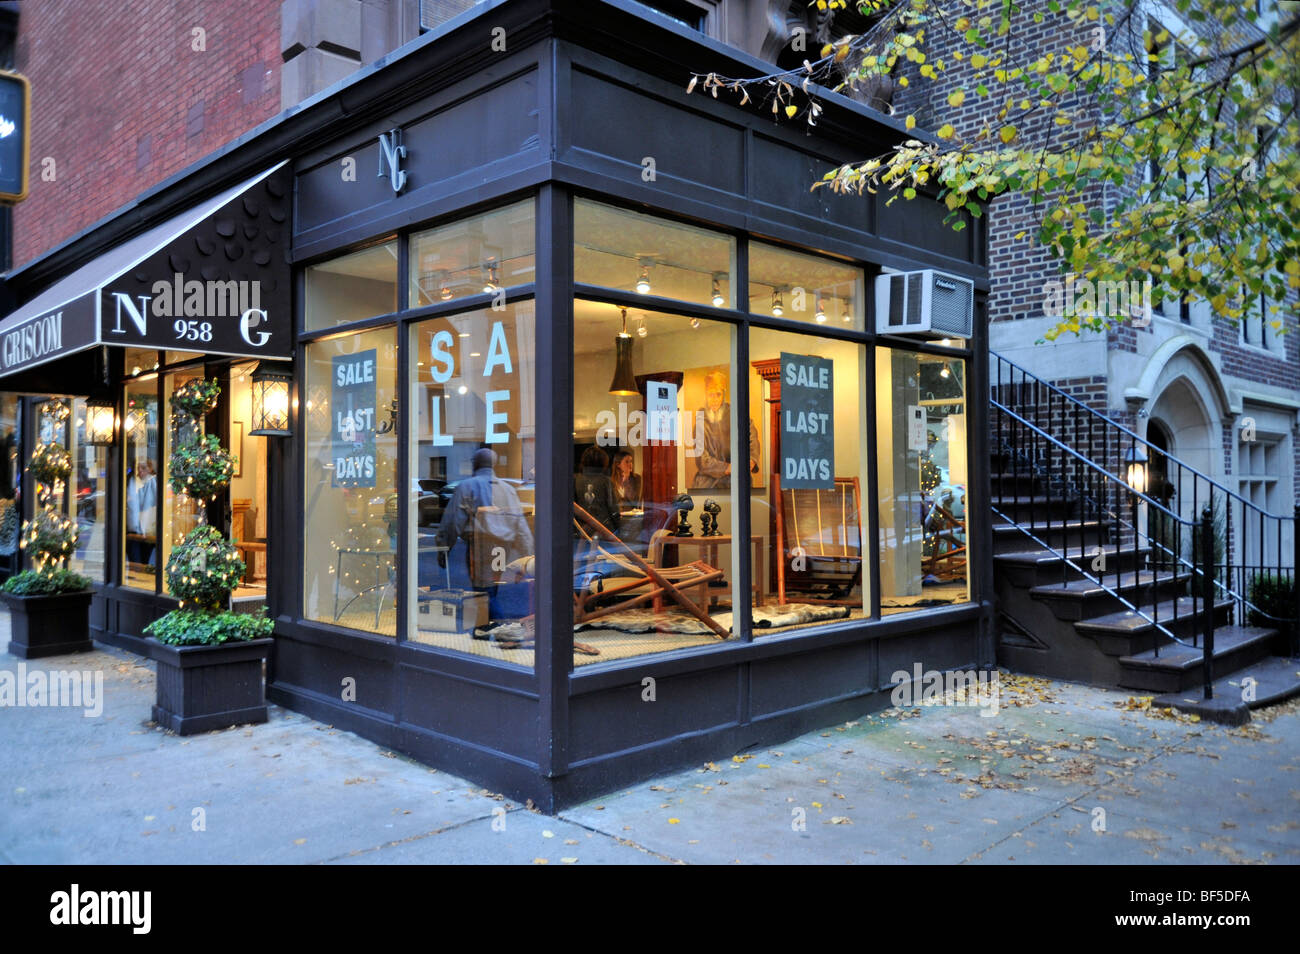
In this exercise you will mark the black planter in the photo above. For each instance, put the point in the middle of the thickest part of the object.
(49, 625)
(201, 688)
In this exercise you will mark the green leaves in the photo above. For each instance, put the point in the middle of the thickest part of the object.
(1197, 151)
(47, 583)
(192, 628)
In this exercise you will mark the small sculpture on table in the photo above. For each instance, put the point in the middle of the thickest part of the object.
(709, 519)
(683, 505)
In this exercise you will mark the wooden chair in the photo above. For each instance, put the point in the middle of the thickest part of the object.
(634, 581)
(243, 523)
(945, 546)
(821, 543)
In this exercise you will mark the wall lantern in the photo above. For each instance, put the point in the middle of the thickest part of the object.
(101, 422)
(271, 401)
(1136, 476)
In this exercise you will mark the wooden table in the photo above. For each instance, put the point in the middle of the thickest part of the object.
(709, 554)
(248, 550)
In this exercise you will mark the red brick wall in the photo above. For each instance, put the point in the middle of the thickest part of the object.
(121, 100)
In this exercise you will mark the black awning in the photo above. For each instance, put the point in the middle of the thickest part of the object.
(213, 279)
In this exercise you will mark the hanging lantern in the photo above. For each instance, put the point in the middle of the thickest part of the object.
(624, 382)
(101, 422)
(271, 401)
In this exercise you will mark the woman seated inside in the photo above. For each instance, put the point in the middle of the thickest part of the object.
(593, 490)
(627, 485)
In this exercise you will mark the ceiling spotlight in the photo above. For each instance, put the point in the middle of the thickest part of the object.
(846, 316)
(462, 390)
(641, 329)
(695, 322)
(643, 283)
(945, 373)
(490, 286)
(821, 312)
(718, 300)
(445, 292)
(778, 308)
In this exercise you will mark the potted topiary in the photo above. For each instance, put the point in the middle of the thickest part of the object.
(209, 658)
(49, 604)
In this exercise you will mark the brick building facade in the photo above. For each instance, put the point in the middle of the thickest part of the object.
(1222, 397)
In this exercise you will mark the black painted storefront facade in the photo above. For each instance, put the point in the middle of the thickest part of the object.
(581, 95)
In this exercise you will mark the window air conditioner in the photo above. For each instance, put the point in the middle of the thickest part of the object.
(928, 303)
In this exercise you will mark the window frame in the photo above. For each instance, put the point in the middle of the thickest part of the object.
(554, 204)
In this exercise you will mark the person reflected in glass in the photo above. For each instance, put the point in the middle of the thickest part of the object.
(486, 514)
(141, 513)
(627, 484)
(593, 490)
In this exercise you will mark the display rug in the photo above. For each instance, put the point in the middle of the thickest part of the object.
(679, 621)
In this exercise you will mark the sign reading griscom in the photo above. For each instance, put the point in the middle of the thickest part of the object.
(807, 422)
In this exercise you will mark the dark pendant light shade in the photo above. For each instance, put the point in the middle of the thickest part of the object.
(624, 382)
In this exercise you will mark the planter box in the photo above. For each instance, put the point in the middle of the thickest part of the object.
(201, 688)
(49, 625)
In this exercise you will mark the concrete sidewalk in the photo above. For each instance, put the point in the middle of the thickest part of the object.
(1061, 774)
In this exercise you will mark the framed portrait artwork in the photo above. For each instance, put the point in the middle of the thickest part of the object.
(706, 429)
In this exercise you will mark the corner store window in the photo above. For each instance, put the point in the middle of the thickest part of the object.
(473, 472)
(350, 500)
(922, 453)
(642, 461)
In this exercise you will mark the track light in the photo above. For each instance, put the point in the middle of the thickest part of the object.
(643, 283)
(718, 300)
(778, 308)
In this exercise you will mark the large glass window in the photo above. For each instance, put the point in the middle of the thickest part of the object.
(641, 253)
(922, 453)
(806, 507)
(475, 256)
(142, 482)
(800, 287)
(655, 451)
(88, 497)
(350, 504)
(248, 514)
(473, 471)
(352, 287)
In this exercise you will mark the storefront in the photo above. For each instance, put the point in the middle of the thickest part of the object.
(598, 466)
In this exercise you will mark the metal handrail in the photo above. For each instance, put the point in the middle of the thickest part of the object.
(1117, 521)
(996, 381)
(1252, 538)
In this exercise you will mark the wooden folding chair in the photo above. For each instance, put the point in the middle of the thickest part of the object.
(821, 543)
(637, 580)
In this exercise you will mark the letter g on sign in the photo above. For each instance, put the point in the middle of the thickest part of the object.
(247, 323)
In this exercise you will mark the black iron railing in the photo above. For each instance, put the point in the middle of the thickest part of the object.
(1079, 484)
(1249, 542)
